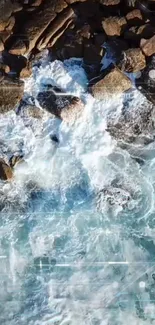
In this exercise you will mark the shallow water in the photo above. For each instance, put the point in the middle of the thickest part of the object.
(77, 238)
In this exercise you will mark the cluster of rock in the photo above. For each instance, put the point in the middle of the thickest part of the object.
(87, 29)
(75, 28)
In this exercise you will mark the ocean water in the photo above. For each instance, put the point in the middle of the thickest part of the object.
(77, 236)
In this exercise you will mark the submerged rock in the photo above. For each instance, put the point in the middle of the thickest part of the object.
(115, 82)
(66, 107)
(5, 170)
(15, 159)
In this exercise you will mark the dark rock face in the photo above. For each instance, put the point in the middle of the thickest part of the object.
(11, 92)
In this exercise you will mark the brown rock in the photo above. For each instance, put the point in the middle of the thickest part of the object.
(148, 46)
(37, 3)
(115, 82)
(40, 20)
(15, 159)
(133, 61)
(4, 67)
(5, 171)
(59, 24)
(73, 1)
(6, 9)
(109, 2)
(5, 35)
(18, 47)
(11, 23)
(71, 113)
(11, 92)
(113, 25)
(134, 16)
(1, 46)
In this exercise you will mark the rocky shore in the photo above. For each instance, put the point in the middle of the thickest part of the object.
(86, 29)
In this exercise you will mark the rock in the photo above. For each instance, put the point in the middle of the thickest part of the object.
(133, 60)
(134, 17)
(1, 46)
(57, 103)
(11, 92)
(109, 2)
(6, 9)
(11, 23)
(30, 111)
(146, 84)
(5, 171)
(54, 138)
(4, 67)
(37, 3)
(39, 21)
(115, 47)
(18, 47)
(115, 82)
(92, 54)
(15, 63)
(59, 24)
(148, 46)
(135, 123)
(72, 112)
(15, 159)
(5, 35)
(73, 1)
(113, 26)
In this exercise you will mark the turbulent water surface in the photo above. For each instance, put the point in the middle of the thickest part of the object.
(77, 236)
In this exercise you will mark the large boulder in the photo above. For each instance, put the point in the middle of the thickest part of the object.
(148, 46)
(63, 106)
(36, 26)
(114, 82)
(113, 26)
(11, 92)
(5, 170)
(133, 60)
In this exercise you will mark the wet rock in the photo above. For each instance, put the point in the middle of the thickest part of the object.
(11, 23)
(39, 21)
(30, 111)
(5, 171)
(115, 47)
(15, 159)
(73, 1)
(134, 17)
(73, 111)
(54, 138)
(55, 101)
(135, 123)
(135, 33)
(57, 28)
(18, 47)
(85, 31)
(15, 63)
(6, 9)
(5, 68)
(99, 39)
(110, 2)
(133, 60)
(1, 46)
(11, 92)
(114, 82)
(148, 46)
(113, 26)
(146, 84)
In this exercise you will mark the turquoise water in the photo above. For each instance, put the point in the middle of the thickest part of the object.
(77, 238)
